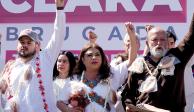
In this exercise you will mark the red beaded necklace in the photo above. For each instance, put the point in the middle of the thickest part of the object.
(41, 86)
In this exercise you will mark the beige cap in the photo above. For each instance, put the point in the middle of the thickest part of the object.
(29, 33)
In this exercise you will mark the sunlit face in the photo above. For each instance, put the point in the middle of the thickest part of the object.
(63, 64)
(157, 42)
(127, 42)
(171, 43)
(26, 47)
(92, 59)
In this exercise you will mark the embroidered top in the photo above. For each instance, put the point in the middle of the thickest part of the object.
(97, 95)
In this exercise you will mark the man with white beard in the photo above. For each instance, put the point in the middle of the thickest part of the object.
(156, 81)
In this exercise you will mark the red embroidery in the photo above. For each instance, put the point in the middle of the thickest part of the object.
(41, 86)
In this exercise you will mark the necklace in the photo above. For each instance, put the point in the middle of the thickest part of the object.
(93, 97)
(90, 83)
(41, 86)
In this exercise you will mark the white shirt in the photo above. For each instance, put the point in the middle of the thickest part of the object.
(102, 89)
(120, 74)
(59, 84)
(29, 95)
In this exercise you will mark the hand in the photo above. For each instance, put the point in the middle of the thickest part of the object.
(92, 37)
(114, 97)
(3, 86)
(148, 27)
(13, 107)
(132, 36)
(129, 108)
(130, 28)
(59, 3)
(62, 106)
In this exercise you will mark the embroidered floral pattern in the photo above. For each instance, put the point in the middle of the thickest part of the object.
(98, 99)
(90, 83)
(41, 86)
(93, 96)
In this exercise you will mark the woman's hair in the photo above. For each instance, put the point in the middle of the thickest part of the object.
(104, 70)
(124, 56)
(72, 64)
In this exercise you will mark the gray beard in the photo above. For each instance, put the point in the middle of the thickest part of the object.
(158, 53)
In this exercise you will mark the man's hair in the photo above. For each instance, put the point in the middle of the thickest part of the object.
(126, 37)
(171, 35)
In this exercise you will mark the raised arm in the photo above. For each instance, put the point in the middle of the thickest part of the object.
(186, 46)
(133, 47)
(54, 45)
(148, 27)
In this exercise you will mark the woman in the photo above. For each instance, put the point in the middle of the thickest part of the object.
(94, 71)
(62, 72)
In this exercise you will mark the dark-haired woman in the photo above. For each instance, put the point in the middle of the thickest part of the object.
(62, 72)
(94, 84)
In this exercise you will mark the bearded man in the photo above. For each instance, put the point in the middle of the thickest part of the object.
(27, 81)
(156, 81)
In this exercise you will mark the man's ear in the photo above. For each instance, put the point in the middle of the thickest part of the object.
(38, 46)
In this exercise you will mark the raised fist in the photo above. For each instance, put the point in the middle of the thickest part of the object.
(59, 3)
(92, 37)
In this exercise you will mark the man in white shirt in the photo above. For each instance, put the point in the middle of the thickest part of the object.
(120, 64)
(29, 77)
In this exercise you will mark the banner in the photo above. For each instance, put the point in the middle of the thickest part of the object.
(166, 11)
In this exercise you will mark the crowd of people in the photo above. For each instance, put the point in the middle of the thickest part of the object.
(51, 80)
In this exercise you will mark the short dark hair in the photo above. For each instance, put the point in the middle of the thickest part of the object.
(72, 63)
(171, 35)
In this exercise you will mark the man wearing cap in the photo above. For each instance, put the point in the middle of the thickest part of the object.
(29, 77)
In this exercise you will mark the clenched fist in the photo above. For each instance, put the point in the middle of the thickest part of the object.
(59, 3)
(92, 37)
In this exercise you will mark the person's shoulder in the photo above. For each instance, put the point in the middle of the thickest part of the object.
(10, 62)
(138, 65)
(7, 66)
